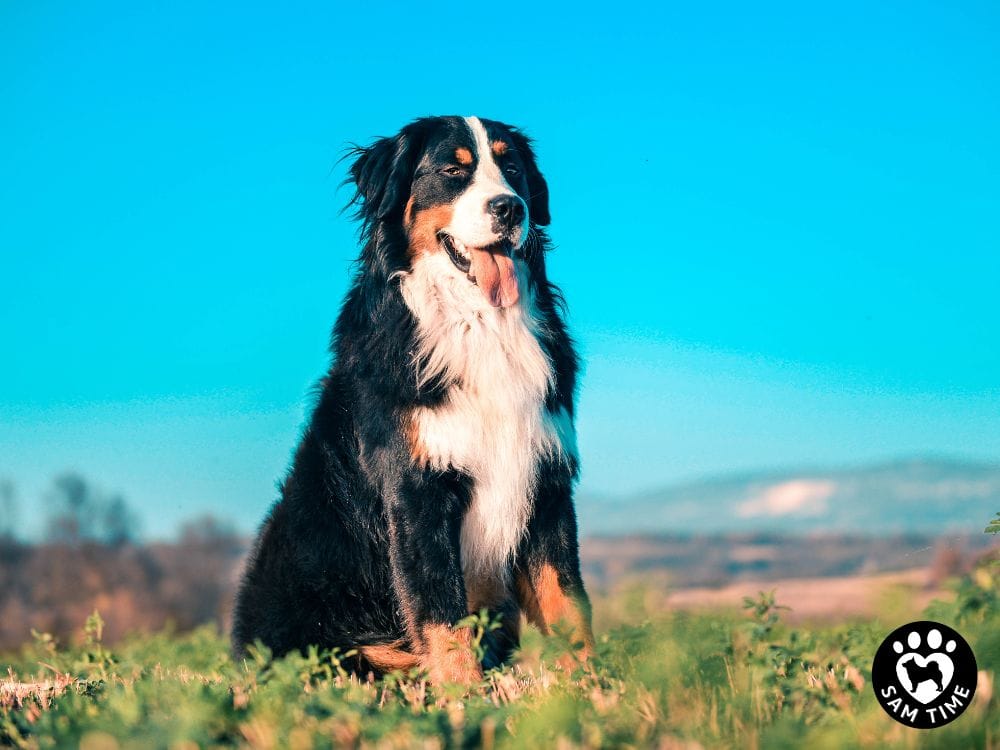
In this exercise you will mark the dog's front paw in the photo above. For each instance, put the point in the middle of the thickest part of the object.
(578, 658)
(456, 667)
(448, 656)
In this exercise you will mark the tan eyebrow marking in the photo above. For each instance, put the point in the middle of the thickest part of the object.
(463, 155)
(499, 148)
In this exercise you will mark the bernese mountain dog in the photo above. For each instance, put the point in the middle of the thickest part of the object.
(435, 477)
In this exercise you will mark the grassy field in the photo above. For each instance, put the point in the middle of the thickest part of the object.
(662, 679)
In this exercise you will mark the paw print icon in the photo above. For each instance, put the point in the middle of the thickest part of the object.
(924, 674)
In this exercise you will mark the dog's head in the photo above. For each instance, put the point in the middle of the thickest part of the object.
(461, 186)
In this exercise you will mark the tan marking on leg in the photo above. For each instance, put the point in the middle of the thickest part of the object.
(408, 212)
(463, 155)
(411, 432)
(499, 148)
(447, 655)
(526, 598)
(424, 226)
(545, 603)
(387, 657)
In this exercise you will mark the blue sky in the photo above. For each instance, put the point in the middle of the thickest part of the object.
(776, 228)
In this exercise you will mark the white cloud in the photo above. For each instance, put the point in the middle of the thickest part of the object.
(802, 497)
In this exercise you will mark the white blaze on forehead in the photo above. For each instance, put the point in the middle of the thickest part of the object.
(487, 169)
(471, 223)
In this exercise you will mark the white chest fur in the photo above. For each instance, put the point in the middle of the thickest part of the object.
(493, 424)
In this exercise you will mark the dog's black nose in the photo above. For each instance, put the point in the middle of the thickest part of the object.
(508, 210)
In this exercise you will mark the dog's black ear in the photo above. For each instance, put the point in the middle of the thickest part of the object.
(538, 189)
(383, 172)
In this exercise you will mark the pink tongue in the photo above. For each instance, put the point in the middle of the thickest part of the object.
(496, 276)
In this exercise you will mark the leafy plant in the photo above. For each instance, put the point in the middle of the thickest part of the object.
(481, 624)
(672, 680)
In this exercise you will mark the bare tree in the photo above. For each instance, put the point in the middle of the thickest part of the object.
(71, 510)
(120, 524)
(203, 571)
(8, 509)
(80, 513)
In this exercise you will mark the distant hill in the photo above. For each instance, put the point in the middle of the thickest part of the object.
(925, 495)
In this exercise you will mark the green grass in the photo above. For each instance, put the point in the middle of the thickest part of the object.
(663, 680)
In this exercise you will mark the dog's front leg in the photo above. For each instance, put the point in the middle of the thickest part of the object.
(549, 587)
(425, 525)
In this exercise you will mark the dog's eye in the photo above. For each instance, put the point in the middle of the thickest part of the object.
(512, 170)
(453, 171)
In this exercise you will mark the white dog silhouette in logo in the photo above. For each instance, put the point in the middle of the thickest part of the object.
(924, 677)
